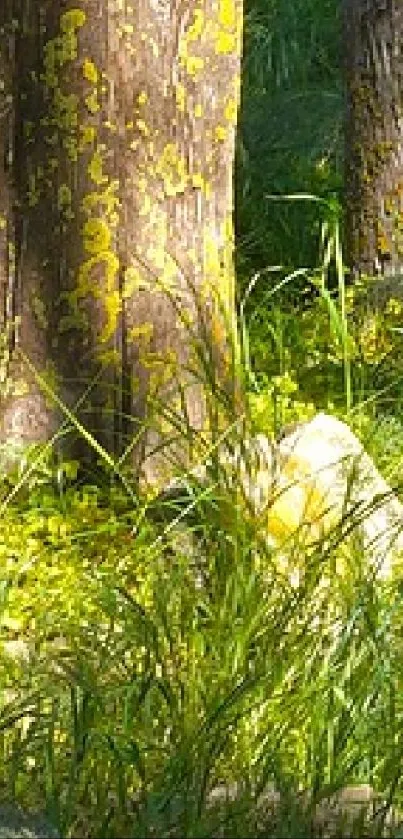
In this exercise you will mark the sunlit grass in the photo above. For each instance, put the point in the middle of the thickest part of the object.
(155, 650)
(164, 661)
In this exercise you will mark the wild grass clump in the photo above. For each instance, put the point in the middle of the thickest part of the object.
(144, 666)
(164, 672)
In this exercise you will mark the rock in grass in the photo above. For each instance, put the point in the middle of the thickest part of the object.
(327, 482)
(316, 482)
(352, 811)
(15, 824)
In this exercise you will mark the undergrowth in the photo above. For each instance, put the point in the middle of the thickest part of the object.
(155, 653)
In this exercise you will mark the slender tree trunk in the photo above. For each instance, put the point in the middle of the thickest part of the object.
(124, 125)
(374, 137)
(11, 421)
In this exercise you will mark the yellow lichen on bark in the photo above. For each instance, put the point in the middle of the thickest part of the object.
(134, 165)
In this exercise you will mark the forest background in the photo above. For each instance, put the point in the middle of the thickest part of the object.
(130, 689)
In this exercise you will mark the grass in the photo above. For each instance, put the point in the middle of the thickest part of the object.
(142, 688)
(152, 654)
(155, 652)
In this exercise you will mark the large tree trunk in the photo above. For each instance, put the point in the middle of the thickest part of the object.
(124, 142)
(66, 268)
(373, 32)
(181, 103)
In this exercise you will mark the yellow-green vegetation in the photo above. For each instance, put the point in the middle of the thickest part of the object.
(138, 659)
(153, 648)
(223, 28)
(59, 52)
(97, 273)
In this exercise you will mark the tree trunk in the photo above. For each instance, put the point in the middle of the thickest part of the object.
(9, 390)
(123, 155)
(176, 118)
(373, 32)
(67, 262)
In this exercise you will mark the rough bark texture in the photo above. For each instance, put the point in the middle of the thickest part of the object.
(373, 33)
(9, 390)
(181, 62)
(6, 129)
(123, 148)
(61, 290)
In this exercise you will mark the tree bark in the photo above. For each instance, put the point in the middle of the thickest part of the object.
(10, 390)
(67, 266)
(373, 32)
(124, 124)
(182, 63)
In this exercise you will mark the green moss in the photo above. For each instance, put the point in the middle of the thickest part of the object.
(113, 307)
(70, 146)
(34, 190)
(107, 199)
(39, 310)
(88, 135)
(96, 236)
(28, 127)
(91, 102)
(63, 113)
(72, 19)
(64, 202)
(90, 71)
(65, 110)
(64, 47)
(95, 169)
(109, 261)
(76, 318)
(63, 196)
(97, 276)
(105, 291)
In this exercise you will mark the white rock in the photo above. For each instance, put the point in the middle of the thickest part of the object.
(316, 481)
(324, 477)
(17, 649)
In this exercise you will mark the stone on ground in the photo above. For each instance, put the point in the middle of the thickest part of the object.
(15, 824)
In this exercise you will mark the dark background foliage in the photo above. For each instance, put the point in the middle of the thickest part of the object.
(290, 131)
